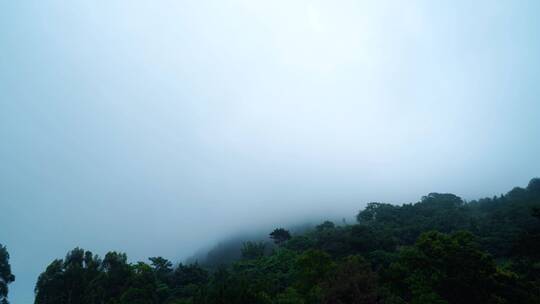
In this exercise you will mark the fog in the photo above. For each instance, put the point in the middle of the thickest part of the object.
(162, 127)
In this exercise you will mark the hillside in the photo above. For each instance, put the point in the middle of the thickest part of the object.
(438, 250)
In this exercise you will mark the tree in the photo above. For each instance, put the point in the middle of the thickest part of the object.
(117, 272)
(6, 277)
(74, 275)
(162, 269)
(534, 186)
(161, 266)
(280, 236)
(50, 284)
(142, 286)
(163, 272)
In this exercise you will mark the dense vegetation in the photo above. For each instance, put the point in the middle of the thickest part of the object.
(438, 250)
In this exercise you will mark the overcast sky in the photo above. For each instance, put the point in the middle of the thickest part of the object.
(159, 127)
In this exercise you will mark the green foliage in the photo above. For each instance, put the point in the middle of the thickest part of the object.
(311, 268)
(441, 212)
(188, 281)
(445, 269)
(440, 250)
(300, 243)
(84, 278)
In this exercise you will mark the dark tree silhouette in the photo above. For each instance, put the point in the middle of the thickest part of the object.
(280, 236)
(6, 277)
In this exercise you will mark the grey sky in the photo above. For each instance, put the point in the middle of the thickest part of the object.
(158, 127)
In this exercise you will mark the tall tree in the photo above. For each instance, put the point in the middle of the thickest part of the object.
(6, 277)
(280, 236)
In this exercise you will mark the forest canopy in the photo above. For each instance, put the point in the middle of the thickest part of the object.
(438, 250)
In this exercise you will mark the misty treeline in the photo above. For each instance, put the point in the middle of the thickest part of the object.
(438, 250)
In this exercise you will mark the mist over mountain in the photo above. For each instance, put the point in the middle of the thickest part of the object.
(440, 249)
(167, 128)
